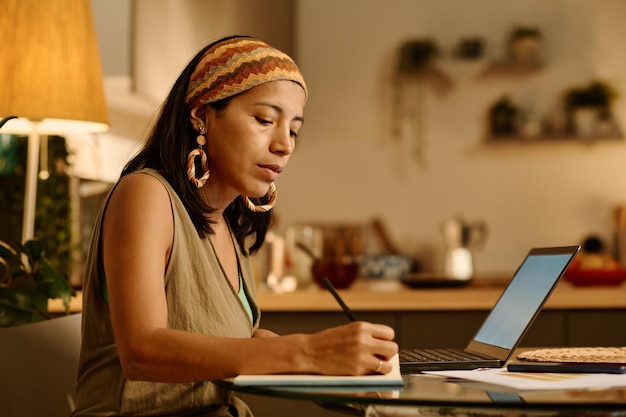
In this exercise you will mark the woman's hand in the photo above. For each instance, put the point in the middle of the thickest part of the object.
(357, 348)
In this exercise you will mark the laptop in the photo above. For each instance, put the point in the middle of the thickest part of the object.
(509, 319)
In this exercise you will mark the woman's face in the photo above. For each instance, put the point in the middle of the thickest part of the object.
(249, 142)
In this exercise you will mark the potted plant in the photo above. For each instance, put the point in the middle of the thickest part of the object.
(597, 94)
(503, 117)
(588, 105)
(524, 45)
(27, 280)
(414, 56)
(413, 72)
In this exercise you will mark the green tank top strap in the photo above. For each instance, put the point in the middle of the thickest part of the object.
(244, 299)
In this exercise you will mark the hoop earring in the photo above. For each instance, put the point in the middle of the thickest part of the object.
(191, 161)
(265, 207)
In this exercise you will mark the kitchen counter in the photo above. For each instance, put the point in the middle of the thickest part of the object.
(572, 316)
(377, 296)
(478, 295)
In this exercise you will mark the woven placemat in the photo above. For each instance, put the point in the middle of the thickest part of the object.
(577, 354)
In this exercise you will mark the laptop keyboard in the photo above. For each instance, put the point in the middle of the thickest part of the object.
(437, 355)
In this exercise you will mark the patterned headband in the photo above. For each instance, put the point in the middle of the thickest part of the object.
(236, 65)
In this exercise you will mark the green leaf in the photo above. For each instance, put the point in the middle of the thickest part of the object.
(11, 316)
(5, 271)
(53, 284)
(34, 249)
(25, 283)
(15, 307)
(7, 252)
(39, 304)
(26, 288)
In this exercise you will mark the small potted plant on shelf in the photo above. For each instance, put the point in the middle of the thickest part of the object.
(416, 61)
(503, 117)
(524, 45)
(414, 71)
(589, 107)
(415, 55)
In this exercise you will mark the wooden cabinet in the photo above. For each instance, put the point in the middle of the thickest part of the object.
(433, 329)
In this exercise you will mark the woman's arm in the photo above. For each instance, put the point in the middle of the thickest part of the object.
(137, 238)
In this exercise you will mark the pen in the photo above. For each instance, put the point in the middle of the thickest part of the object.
(343, 305)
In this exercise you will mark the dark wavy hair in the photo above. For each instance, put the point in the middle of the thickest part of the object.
(166, 149)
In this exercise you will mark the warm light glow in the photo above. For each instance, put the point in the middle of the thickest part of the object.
(51, 78)
(61, 127)
(50, 67)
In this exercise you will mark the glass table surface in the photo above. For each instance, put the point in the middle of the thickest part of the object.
(424, 394)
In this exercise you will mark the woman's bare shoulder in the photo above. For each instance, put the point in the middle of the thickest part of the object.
(141, 186)
(140, 179)
(137, 195)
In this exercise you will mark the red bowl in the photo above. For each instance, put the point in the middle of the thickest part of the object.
(340, 274)
(589, 277)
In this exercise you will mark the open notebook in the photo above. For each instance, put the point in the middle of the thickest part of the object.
(394, 378)
(506, 324)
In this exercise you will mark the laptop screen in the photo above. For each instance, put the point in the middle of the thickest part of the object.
(524, 296)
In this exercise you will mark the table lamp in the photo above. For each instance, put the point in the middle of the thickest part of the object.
(50, 78)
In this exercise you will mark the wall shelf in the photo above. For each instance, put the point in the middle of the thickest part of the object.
(612, 134)
(509, 68)
(539, 140)
(521, 145)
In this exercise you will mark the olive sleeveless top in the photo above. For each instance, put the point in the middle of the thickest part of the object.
(200, 299)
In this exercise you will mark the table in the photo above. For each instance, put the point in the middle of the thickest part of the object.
(573, 316)
(431, 395)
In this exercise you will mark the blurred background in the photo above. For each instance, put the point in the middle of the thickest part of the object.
(401, 120)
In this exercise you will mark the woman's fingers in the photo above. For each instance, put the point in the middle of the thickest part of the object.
(354, 349)
(381, 331)
(378, 339)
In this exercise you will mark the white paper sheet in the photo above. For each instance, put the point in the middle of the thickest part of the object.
(537, 380)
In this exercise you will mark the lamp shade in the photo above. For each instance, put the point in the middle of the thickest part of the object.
(50, 69)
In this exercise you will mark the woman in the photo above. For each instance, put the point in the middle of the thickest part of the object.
(169, 291)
